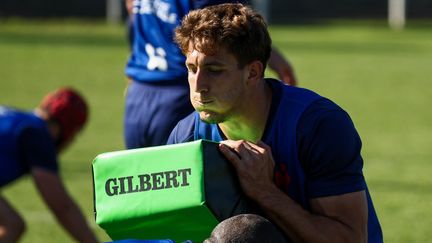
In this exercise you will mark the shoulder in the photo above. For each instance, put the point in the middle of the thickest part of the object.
(16, 121)
(324, 112)
(184, 130)
(330, 149)
(37, 149)
(291, 96)
(7, 112)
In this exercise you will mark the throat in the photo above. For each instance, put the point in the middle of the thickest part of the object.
(251, 125)
(236, 131)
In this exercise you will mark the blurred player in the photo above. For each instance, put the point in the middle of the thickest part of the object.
(29, 144)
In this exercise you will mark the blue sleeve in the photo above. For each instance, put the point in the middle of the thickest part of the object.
(37, 150)
(329, 150)
(183, 131)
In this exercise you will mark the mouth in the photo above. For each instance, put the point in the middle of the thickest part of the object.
(203, 102)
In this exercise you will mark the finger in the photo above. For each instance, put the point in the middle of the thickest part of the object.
(244, 149)
(266, 150)
(229, 153)
(257, 148)
(264, 146)
(239, 146)
(230, 143)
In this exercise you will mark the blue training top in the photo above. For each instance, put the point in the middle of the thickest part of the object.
(24, 142)
(155, 56)
(315, 146)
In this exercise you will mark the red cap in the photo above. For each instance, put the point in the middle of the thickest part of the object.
(68, 108)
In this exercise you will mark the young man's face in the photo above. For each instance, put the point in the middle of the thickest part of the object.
(217, 84)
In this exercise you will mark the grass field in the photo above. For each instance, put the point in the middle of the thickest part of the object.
(381, 77)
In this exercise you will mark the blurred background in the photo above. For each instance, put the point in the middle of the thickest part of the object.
(276, 11)
(372, 57)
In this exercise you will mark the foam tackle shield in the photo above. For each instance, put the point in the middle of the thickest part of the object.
(177, 192)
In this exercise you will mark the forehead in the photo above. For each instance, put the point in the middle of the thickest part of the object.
(219, 54)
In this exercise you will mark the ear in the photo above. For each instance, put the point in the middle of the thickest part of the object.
(254, 72)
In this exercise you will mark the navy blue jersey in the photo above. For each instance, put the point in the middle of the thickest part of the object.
(155, 57)
(25, 142)
(315, 146)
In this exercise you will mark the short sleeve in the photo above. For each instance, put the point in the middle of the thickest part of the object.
(183, 131)
(37, 150)
(329, 151)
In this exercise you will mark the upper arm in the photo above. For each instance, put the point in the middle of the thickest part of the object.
(330, 154)
(348, 209)
(51, 188)
(183, 131)
(329, 150)
(37, 149)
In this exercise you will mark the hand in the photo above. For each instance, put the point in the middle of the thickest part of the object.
(129, 7)
(254, 165)
(282, 67)
(286, 75)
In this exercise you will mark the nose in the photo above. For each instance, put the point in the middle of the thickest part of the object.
(199, 82)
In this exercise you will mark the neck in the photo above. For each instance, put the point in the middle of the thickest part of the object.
(251, 120)
(53, 126)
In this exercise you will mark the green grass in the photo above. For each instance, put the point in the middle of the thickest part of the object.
(381, 77)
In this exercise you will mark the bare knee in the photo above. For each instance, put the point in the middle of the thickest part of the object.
(12, 230)
(12, 225)
(19, 227)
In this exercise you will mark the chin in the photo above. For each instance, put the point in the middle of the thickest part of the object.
(211, 117)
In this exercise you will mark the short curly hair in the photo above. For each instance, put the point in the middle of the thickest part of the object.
(236, 27)
(242, 228)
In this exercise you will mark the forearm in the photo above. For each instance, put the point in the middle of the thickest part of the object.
(75, 223)
(301, 225)
(338, 218)
(282, 67)
(129, 7)
(61, 204)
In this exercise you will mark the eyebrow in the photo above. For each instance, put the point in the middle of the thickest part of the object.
(207, 63)
(214, 63)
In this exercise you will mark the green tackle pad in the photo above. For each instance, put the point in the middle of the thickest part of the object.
(178, 191)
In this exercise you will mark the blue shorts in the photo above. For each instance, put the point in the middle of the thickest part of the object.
(152, 111)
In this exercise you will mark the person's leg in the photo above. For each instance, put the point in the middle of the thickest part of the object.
(172, 105)
(12, 226)
(152, 111)
(244, 228)
(132, 125)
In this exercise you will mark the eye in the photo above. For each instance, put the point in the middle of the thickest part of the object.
(191, 69)
(215, 69)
